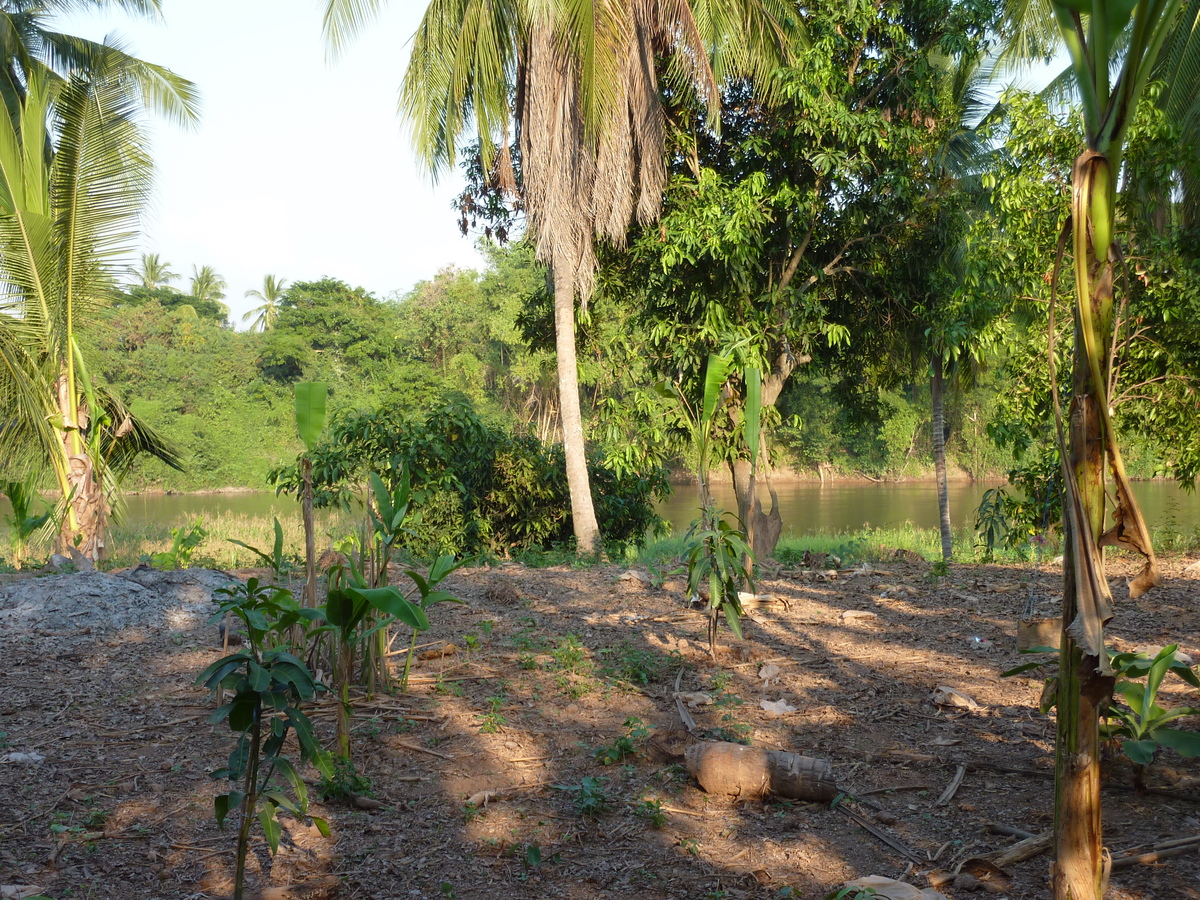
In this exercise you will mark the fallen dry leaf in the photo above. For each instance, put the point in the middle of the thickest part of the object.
(778, 707)
(948, 696)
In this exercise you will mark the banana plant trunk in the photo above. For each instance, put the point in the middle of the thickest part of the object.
(1085, 677)
(1082, 689)
(583, 513)
(939, 457)
(310, 541)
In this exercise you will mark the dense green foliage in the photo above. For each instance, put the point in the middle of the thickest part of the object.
(474, 486)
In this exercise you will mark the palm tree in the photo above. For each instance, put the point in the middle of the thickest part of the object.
(73, 177)
(272, 298)
(33, 51)
(208, 285)
(152, 272)
(582, 87)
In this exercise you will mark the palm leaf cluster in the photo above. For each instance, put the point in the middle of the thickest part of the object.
(74, 174)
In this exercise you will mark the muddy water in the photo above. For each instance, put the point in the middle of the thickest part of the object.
(847, 506)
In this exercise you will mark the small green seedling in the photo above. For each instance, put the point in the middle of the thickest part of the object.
(183, 545)
(1140, 724)
(268, 687)
(276, 560)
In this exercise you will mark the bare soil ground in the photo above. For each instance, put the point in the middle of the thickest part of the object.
(548, 666)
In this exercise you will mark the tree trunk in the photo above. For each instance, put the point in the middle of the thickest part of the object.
(1078, 872)
(85, 525)
(939, 458)
(583, 514)
(763, 528)
(85, 519)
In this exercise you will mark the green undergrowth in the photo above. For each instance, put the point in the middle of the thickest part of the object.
(134, 542)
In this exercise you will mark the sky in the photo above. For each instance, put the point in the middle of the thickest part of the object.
(300, 166)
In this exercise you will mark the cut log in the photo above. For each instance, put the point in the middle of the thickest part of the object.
(749, 773)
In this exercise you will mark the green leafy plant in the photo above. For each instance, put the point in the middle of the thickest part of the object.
(991, 521)
(183, 544)
(23, 523)
(346, 783)
(311, 397)
(633, 665)
(590, 799)
(624, 747)
(571, 655)
(1141, 723)
(268, 687)
(349, 601)
(492, 721)
(651, 811)
(276, 560)
(716, 551)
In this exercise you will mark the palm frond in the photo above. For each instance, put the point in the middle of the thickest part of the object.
(99, 181)
(463, 66)
(128, 437)
(159, 89)
(344, 19)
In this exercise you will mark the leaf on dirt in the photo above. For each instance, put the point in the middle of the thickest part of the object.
(893, 889)
(861, 614)
(769, 671)
(18, 891)
(897, 590)
(948, 696)
(695, 699)
(945, 742)
(778, 707)
(992, 876)
(30, 758)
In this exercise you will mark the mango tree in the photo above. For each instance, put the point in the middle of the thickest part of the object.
(780, 232)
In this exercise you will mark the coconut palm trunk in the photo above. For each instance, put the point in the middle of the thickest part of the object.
(936, 385)
(583, 513)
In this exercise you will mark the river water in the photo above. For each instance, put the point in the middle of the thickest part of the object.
(842, 506)
(807, 507)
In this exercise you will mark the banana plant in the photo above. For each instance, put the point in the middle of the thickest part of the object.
(427, 596)
(276, 560)
(1111, 83)
(719, 554)
(23, 523)
(1143, 724)
(311, 398)
(350, 601)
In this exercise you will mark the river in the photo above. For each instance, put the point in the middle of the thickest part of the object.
(807, 507)
(841, 506)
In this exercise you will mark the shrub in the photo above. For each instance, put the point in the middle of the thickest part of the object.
(476, 487)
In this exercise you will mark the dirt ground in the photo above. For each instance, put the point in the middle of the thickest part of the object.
(548, 668)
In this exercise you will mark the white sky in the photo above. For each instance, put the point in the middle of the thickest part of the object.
(299, 167)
